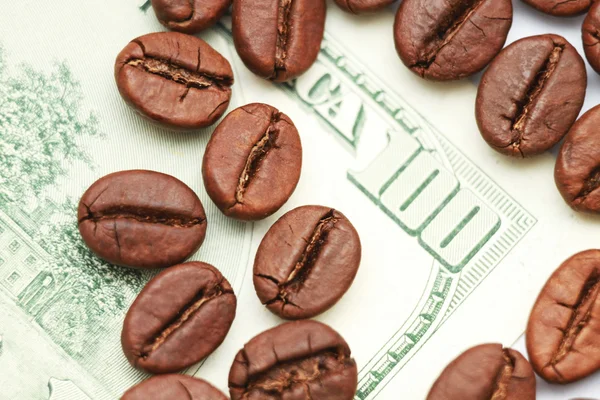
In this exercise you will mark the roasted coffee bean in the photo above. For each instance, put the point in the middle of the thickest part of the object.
(252, 162)
(189, 16)
(181, 316)
(563, 333)
(590, 32)
(363, 6)
(174, 79)
(486, 372)
(141, 219)
(295, 361)
(530, 95)
(278, 39)
(173, 387)
(306, 262)
(561, 8)
(577, 170)
(450, 39)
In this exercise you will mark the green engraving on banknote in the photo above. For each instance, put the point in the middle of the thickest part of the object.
(144, 7)
(45, 268)
(424, 184)
(61, 307)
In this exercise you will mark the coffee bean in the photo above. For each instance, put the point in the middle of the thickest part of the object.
(252, 162)
(278, 39)
(173, 387)
(181, 316)
(363, 6)
(173, 79)
(306, 262)
(561, 8)
(577, 170)
(189, 16)
(590, 33)
(450, 39)
(530, 95)
(486, 371)
(141, 219)
(296, 360)
(563, 333)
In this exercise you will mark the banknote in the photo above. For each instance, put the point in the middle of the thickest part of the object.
(456, 239)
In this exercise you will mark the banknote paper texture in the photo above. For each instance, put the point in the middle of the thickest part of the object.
(456, 239)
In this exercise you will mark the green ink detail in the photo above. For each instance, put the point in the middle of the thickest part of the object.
(458, 268)
(357, 128)
(400, 347)
(320, 87)
(41, 130)
(419, 190)
(145, 6)
(394, 176)
(360, 120)
(459, 227)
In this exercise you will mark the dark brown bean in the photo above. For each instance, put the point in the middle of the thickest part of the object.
(590, 33)
(531, 95)
(577, 170)
(561, 8)
(450, 39)
(252, 162)
(294, 361)
(173, 387)
(363, 6)
(306, 262)
(278, 39)
(141, 219)
(189, 16)
(174, 79)
(563, 333)
(486, 372)
(181, 316)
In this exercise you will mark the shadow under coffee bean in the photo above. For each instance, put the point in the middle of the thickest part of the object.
(141, 219)
(296, 360)
(306, 262)
(181, 316)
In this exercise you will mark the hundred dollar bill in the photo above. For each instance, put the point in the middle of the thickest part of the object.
(456, 239)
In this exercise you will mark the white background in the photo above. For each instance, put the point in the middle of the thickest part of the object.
(527, 22)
